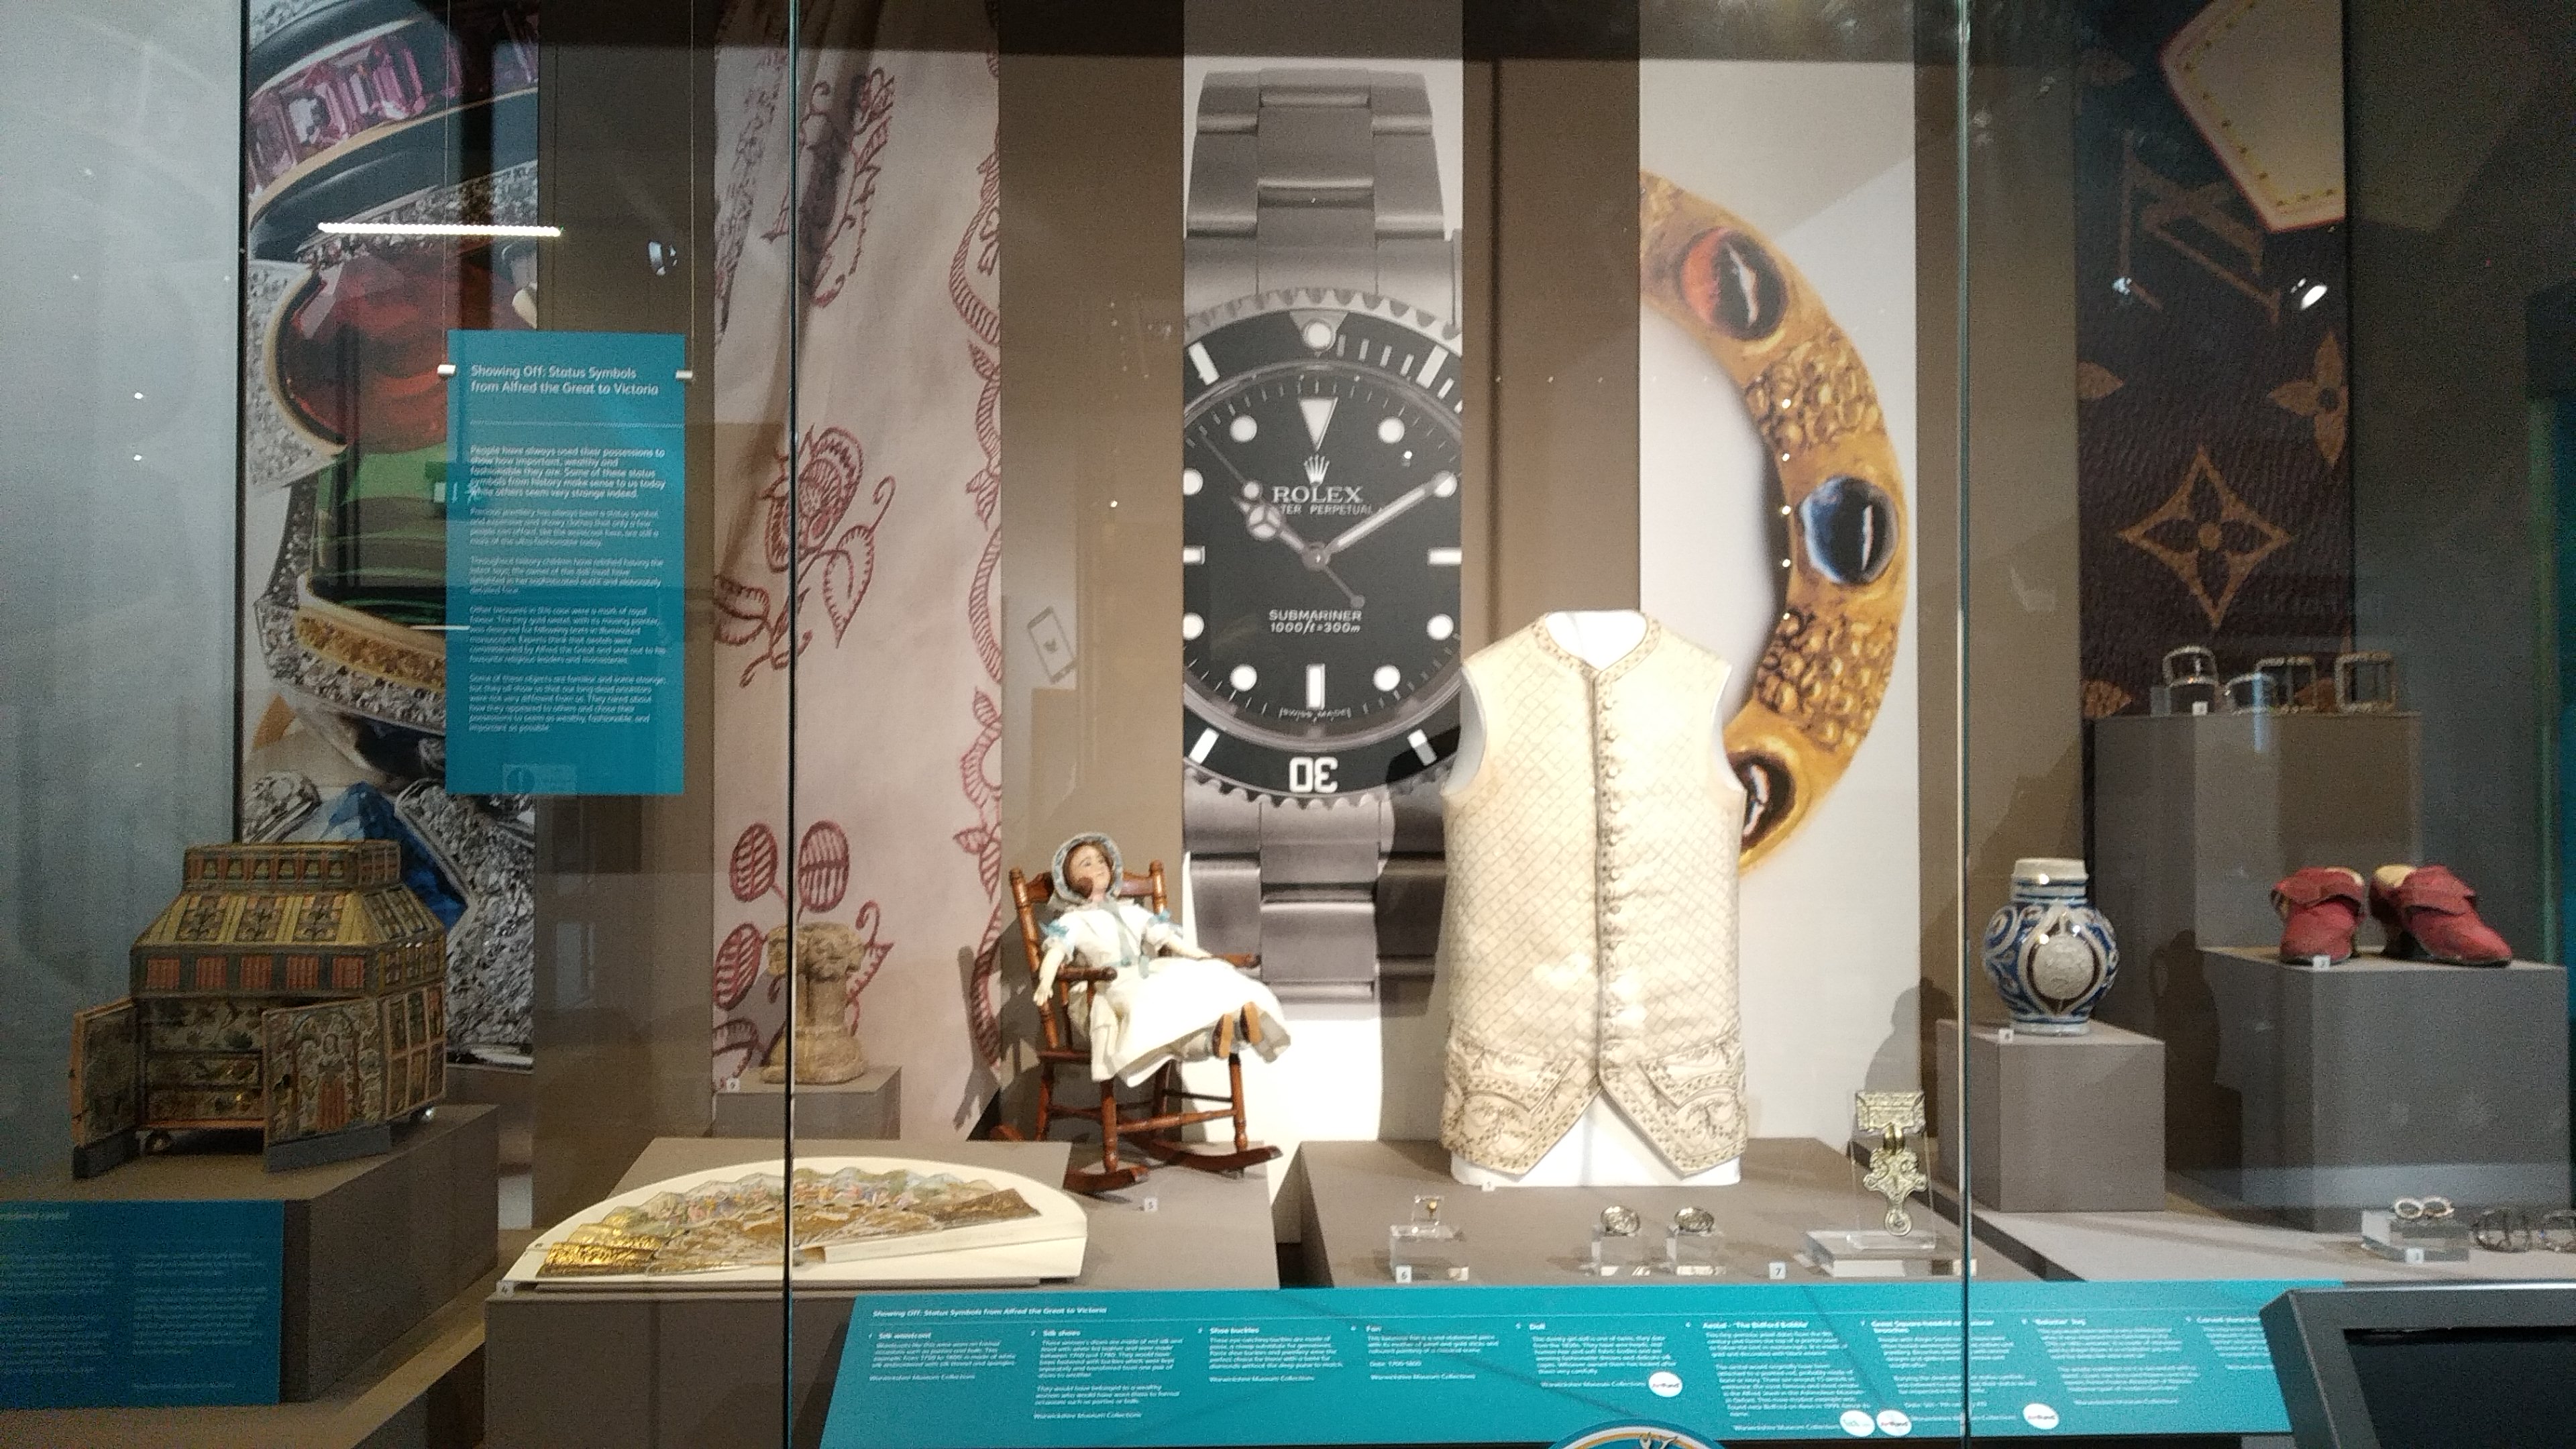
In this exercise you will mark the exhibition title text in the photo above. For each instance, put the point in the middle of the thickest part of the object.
(612, 381)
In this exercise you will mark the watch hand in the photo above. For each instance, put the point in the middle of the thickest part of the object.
(1219, 455)
(1377, 520)
(1263, 520)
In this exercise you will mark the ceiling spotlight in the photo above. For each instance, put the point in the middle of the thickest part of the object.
(2310, 293)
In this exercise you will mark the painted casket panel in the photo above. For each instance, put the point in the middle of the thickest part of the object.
(296, 988)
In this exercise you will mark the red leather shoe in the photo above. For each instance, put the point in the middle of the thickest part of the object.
(2432, 915)
(2319, 908)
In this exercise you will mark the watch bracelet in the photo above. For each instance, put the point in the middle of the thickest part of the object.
(1316, 178)
(1332, 895)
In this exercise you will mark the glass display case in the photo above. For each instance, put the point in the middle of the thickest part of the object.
(1869, 736)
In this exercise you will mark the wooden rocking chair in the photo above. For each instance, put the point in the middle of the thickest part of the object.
(1155, 1129)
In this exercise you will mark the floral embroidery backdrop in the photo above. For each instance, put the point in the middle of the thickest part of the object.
(888, 255)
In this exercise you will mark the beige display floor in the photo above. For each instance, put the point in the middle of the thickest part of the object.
(1201, 1231)
(2186, 1240)
(1792, 1186)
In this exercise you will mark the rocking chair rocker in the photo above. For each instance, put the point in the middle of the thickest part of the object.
(1154, 1129)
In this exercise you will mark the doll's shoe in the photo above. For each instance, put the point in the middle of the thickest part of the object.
(2432, 915)
(2319, 908)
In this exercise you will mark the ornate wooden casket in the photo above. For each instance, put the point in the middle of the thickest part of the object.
(297, 989)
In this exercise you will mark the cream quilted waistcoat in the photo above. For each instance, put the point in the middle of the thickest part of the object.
(1589, 934)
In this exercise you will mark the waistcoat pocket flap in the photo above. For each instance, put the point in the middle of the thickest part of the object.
(1522, 1078)
(1697, 1073)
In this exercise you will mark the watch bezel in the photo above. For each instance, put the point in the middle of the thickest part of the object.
(1431, 709)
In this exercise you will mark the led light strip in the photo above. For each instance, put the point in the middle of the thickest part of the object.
(433, 228)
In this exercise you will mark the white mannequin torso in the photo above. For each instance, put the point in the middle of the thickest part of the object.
(1603, 1148)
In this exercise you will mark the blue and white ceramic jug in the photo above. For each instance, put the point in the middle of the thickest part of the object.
(2050, 953)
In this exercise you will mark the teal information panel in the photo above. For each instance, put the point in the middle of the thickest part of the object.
(1445, 1365)
(565, 568)
(139, 1304)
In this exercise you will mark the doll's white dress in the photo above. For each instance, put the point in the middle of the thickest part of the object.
(1161, 1007)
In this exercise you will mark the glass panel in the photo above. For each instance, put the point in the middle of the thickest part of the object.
(658, 1148)
(2261, 541)
(119, 554)
(369, 612)
(1535, 562)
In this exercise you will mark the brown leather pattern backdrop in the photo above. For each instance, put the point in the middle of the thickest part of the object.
(2214, 481)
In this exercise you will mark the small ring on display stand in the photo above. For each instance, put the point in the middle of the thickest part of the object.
(2254, 693)
(2502, 1230)
(1620, 1222)
(2189, 662)
(2293, 677)
(2365, 682)
(2556, 1231)
(1697, 1222)
(1826, 666)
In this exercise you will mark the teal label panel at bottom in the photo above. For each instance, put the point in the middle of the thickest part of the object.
(1446, 1365)
(140, 1304)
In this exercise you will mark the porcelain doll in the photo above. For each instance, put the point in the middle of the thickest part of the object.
(1170, 1001)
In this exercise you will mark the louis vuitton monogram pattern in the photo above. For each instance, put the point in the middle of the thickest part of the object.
(2212, 390)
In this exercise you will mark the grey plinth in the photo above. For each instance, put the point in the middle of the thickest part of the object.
(374, 1245)
(2057, 1124)
(2194, 818)
(870, 1108)
(2353, 1085)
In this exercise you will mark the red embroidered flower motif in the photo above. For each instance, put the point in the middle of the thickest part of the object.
(833, 549)
(841, 133)
(737, 966)
(753, 871)
(823, 866)
(872, 955)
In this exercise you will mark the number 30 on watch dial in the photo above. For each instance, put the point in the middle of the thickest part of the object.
(1319, 543)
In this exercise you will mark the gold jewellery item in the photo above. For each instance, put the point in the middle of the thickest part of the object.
(1826, 667)
(1895, 1172)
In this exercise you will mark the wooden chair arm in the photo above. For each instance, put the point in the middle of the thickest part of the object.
(1073, 974)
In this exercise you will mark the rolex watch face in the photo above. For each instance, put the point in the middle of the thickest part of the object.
(1320, 545)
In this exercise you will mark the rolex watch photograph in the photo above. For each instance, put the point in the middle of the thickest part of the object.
(1322, 394)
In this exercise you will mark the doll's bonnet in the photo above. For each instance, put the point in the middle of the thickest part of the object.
(1064, 895)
